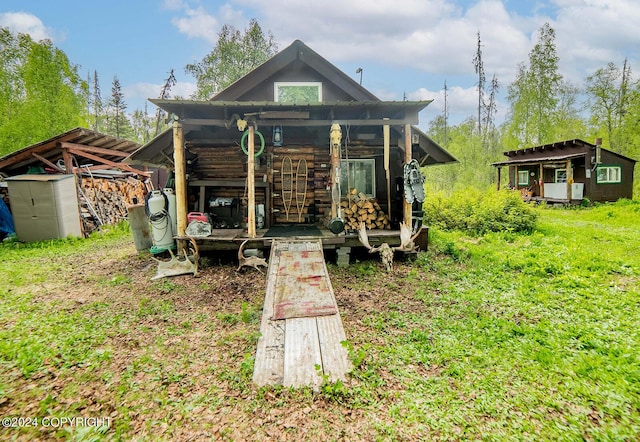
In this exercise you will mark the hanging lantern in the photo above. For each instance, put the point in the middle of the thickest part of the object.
(277, 136)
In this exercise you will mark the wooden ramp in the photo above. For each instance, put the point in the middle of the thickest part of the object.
(299, 349)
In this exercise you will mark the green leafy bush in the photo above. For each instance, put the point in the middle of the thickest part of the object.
(480, 212)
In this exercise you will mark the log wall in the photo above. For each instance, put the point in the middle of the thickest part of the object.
(230, 163)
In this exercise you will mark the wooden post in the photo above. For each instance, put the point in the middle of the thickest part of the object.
(335, 179)
(569, 179)
(406, 206)
(251, 185)
(516, 179)
(68, 161)
(387, 151)
(541, 181)
(180, 178)
(499, 177)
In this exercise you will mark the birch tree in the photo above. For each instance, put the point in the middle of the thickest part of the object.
(235, 54)
(41, 92)
(535, 96)
(609, 99)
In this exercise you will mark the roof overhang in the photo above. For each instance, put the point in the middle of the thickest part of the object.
(218, 120)
(268, 113)
(87, 146)
(534, 161)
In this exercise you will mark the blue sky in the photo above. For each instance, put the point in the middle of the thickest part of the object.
(404, 46)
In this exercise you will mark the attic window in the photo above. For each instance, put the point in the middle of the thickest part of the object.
(297, 92)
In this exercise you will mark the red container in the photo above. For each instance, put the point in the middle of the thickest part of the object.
(197, 216)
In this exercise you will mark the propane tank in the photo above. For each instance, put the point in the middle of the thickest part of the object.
(157, 211)
(172, 209)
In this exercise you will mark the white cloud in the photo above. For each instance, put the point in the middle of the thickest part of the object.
(138, 93)
(592, 33)
(197, 22)
(25, 23)
(461, 102)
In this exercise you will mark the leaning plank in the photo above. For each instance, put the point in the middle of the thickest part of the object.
(335, 358)
(302, 356)
(269, 363)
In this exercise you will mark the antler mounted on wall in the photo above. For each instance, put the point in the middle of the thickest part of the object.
(407, 244)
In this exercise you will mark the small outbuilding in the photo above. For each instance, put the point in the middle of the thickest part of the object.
(70, 184)
(568, 172)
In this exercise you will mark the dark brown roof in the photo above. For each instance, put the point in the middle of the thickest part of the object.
(51, 150)
(214, 120)
(561, 150)
(268, 113)
(523, 161)
(296, 51)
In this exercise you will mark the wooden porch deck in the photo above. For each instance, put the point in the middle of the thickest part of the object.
(230, 239)
(299, 350)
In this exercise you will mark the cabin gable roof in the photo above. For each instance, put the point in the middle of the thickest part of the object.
(297, 62)
(252, 97)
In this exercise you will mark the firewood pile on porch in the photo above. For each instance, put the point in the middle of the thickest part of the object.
(359, 208)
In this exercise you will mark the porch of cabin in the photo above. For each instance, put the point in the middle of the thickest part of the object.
(231, 239)
(549, 180)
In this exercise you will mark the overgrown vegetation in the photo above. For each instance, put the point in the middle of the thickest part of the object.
(478, 212)
(499, 336)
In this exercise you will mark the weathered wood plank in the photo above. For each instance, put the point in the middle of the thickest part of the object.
(296, 352)
(335, 358)
(301, 353)
(269, 363)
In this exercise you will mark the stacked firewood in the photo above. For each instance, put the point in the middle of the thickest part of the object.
(359, 208)
(105, 200)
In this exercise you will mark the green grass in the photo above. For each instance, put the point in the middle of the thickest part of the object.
(503, 336)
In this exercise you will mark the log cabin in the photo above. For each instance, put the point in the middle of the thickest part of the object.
(261, 153)
(569, 172)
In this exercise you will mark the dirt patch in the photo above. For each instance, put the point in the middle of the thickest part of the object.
(172, 359)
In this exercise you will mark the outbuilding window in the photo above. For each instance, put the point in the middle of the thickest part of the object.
(523, 178)
(608, 174)
(561, 175)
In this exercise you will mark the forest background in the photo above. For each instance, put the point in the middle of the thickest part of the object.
(42, 94)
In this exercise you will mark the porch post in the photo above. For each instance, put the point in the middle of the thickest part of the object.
(406, 206)
(569, 179)
(251, 191)
(386, 135)
(335, 141)
(541, 181)
(180, 178)
(499, 177)
(516, 185)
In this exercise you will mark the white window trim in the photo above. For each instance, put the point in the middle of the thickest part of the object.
(556, 176)
(278, 84)
(521, 183)
(608, 180)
